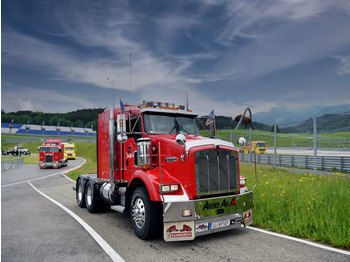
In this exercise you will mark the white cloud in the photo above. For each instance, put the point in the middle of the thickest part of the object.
(247, 18)
(344, 67)
(24, 98)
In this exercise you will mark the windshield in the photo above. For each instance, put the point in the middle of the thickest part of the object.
(261, 144)
(155, 123)
(48, 149)
(69, 148)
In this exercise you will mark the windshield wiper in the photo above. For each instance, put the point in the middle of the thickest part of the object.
(178, 127)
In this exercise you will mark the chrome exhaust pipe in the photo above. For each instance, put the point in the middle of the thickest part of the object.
(111, 148)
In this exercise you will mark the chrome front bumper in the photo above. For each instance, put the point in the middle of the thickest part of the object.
(48, 164)
(207, 216)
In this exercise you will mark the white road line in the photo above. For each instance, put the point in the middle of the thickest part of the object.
(67, 177)
(59, 173)
(301, 241)
(26, 181)
(104, 245)
(67, 171)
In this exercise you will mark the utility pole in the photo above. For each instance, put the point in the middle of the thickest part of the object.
(275, 145)
(315, 145)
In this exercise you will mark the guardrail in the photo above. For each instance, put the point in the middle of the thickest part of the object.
(31, 140)
(332, 163)
(11, 163)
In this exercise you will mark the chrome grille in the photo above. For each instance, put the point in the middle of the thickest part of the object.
(48, 158)
(216, 173)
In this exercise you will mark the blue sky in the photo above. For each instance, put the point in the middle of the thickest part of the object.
(57, 56)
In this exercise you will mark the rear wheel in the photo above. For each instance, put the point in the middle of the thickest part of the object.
(92, 203)
(145, 214)
(79, 194)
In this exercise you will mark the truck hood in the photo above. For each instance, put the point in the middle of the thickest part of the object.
(191, 141)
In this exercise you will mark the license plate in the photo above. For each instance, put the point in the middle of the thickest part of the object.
(220, 224)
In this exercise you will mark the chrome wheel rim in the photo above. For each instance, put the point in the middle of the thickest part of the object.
(80, 192)
(139, 212)
(89, 196)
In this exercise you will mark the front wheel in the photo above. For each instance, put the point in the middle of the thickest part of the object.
(145, 214)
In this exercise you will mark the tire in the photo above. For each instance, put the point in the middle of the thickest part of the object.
(80, 194)
(145, 215)
(92, 203)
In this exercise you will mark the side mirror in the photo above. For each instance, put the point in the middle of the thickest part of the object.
(121, 123)
(242, 141)
(180, 139)
(122, 137)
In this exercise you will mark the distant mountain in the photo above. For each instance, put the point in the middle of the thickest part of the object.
(225, 122)
(283, 116)
(325, 124)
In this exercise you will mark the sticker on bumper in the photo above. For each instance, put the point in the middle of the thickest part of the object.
(179, 231)
(248, 217)
(202, 227)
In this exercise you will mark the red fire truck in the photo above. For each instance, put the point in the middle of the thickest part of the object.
(51, 154)
(153, 166)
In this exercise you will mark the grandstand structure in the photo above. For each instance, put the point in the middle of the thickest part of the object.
(26, 129)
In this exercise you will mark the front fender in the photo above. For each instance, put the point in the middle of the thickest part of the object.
(150, 180)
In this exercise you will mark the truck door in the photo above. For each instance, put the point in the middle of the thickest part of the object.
(134, 132)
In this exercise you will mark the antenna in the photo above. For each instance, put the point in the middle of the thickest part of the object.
(130, 79)
(186, 100)
(113, 96)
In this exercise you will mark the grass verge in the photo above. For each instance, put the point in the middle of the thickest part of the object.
(302, 205)
(88, 152)
(32, 159)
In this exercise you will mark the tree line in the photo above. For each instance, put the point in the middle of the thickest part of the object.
(80, 118)
(88, 118)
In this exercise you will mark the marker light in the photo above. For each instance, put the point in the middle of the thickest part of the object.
(145, 167)
(186, 212)
(242, 181)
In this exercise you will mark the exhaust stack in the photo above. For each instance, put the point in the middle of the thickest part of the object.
(111, 148)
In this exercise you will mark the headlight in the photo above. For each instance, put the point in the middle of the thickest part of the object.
(242, 181)
(169, 188)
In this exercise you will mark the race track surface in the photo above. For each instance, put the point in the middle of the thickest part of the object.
(36, 229)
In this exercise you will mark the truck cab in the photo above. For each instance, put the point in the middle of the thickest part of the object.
(69, 150)
(153, 166)
(51, 154)
(258, 147)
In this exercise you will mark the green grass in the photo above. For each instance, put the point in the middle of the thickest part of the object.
(302, 205)
(88, 152)
(27, 159)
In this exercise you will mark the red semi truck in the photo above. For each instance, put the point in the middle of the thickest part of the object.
(153, 166)
(51, 154)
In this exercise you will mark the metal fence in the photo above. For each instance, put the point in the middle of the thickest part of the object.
(332, 163)
(11, 163)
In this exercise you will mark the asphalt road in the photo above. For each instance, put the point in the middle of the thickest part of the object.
(35, 229)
